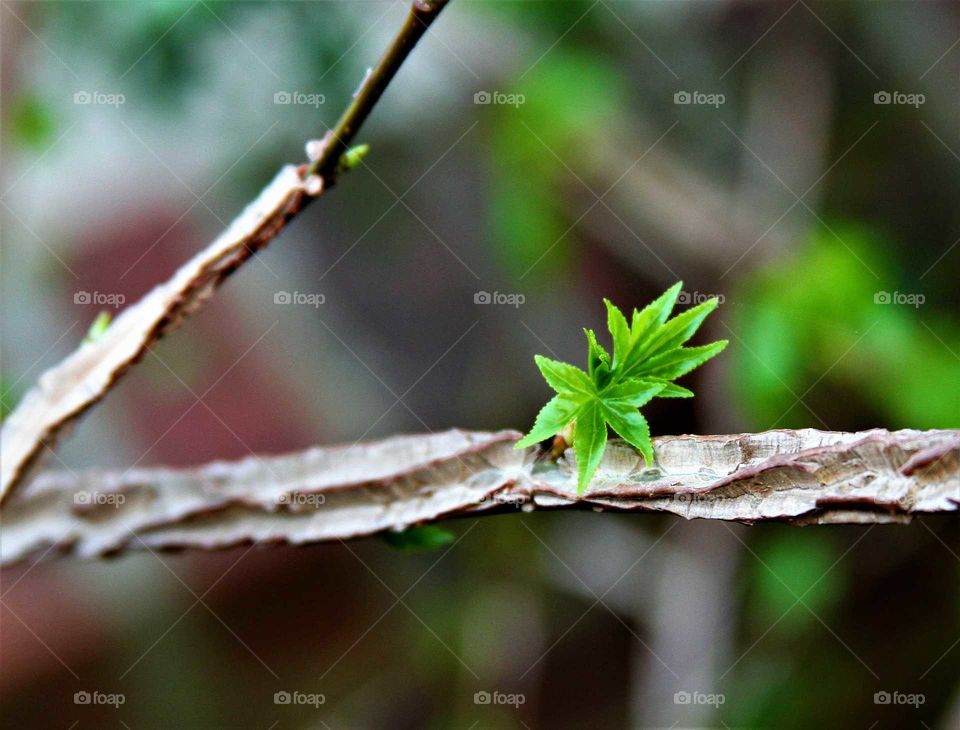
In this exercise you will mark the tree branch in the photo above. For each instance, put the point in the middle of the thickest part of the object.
(70, 388)
(341, 492)
(422, 14)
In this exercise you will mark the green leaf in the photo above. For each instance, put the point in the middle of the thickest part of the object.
(633, 392)
(648, 354)
(420, 538)
(98, 327)
(552, 419)
(680, 361)
(654, 314)
(353, 157)
(564, 378)
(598, 360)
(619, 331)
(677, 331)
(589, 443)
(672, 390)
(632, 426)
(31, 121)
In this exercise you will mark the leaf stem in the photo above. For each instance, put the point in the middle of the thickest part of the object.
(422, 14)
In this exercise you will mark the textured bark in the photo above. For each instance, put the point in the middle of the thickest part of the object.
(341, 492)
(72, 386)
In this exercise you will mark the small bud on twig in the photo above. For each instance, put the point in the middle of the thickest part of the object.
(353, 156)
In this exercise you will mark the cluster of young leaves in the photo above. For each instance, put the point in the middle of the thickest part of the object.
(648, 354)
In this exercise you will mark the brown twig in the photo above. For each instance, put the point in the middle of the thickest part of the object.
(422, 14)
(73, 386)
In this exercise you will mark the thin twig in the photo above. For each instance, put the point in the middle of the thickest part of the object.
(78, 382)
(422, 14)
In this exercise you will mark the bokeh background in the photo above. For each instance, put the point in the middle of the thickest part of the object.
(825, 218)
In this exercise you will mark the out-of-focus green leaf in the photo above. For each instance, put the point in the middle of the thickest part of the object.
(793, 566)
(567, 96)
(6, 399)
(31, 122)
(823, 321)
(99, 326)
(420, 538)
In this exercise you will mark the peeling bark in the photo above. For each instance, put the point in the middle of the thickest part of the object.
(341, 492)
(68, 389)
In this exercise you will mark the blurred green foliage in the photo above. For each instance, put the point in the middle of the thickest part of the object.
(7, 401)
(420, 538)
(31, 122)
(792, 579)
(824, 320)
(566, 99)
